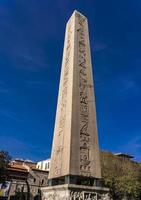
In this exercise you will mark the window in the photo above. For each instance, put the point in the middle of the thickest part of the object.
(41, 165)
(46, 166)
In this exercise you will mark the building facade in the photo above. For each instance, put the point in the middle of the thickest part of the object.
(25, 180)
(43, 165)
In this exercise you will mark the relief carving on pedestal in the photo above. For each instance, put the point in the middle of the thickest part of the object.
(76, 195)
(55, 196)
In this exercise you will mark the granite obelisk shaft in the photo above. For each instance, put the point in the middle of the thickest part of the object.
(75, 148)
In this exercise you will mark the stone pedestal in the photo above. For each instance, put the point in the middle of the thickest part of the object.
(74, 192)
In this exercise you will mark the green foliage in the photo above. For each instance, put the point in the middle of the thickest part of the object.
(4, 161)
(122, 176)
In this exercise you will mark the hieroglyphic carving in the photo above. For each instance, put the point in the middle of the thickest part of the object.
(85, 164)
(62, 104)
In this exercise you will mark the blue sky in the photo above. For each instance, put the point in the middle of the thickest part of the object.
(31, 44)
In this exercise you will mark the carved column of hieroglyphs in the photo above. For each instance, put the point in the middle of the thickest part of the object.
(84, 107)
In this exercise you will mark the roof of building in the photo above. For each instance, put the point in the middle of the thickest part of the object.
(47, 160)
(123, 155)
(17, 167)
(22, 160)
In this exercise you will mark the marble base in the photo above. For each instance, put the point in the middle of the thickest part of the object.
(74, 192)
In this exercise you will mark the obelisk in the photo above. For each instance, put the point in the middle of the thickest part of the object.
(75, 158)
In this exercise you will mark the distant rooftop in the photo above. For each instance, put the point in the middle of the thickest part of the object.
(123, 155)
(22, 160)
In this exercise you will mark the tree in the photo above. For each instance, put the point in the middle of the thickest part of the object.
(5, 158)
(121, 176)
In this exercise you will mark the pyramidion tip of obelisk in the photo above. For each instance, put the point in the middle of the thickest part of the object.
(75, 12)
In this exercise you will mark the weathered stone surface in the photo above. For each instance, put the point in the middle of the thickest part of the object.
(73, 192)
(75, 148)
